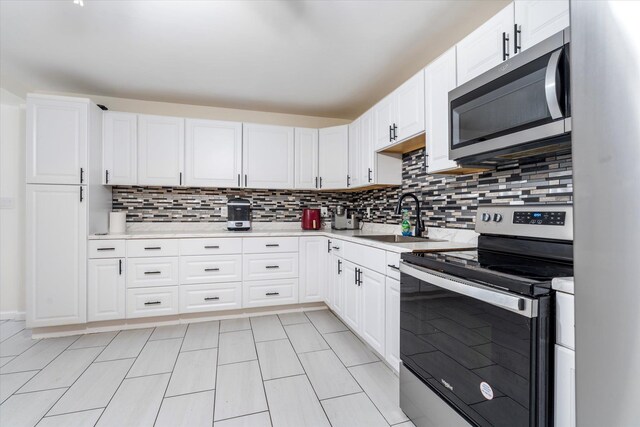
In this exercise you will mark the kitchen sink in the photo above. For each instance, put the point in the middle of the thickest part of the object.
(394, 238)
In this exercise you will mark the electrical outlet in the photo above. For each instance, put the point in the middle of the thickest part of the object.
(324, 211)
(224, 211)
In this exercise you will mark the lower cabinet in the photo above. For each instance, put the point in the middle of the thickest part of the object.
(335, 284)
(152, 301)
(392, 314)
(210, 297)
(313, 268)
(565, 387)
(106, 289)
(351, 296)
(260, 293)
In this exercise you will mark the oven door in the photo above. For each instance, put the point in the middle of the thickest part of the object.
(523, 100)
(484, 351)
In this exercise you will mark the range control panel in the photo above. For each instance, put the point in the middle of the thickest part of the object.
(539, 218)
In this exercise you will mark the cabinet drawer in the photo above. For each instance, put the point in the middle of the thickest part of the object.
(210, 269)
(270, 266)
(146, 302)
(393, 265)
(143, 272)
(223, 246)
(336, 246)
(210, 297)
(366, 256)
(565, 320)
(265, 245)
(107, 249)
(270, 292)
(152, 247)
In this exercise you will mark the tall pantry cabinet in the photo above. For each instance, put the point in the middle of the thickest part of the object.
(65, 202)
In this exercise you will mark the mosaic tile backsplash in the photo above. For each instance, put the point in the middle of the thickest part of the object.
(447, 201)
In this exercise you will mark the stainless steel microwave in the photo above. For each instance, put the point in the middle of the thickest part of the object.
(521, 108)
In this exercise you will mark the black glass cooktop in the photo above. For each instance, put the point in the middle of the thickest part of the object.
(525, 275)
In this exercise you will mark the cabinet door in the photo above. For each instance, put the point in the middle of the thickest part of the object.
(213, 153)
(410, 107)
(268, 156)
(367, 150)
(338, 285)
(334, 155)
(392, 314)
(351, 296)
(373, 308)
(56, 243)
(439, 79)
(565, 387)
(56, 141)
(538, 20)
(313, 268)
(306, 167)
(354, 178)
(384, 117)
(120, 148)
(160, 150)
(487, 46)
(106, 290)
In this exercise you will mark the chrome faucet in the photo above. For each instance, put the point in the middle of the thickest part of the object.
(419, 223)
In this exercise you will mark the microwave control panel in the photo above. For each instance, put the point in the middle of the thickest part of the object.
(539, 218)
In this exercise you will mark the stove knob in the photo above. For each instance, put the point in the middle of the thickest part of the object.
(497, 217)
(486, 217)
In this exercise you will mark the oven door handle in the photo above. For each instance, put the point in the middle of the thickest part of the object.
(551, 85)
(520, 305)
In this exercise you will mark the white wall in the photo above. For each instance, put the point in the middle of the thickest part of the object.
(12, 187)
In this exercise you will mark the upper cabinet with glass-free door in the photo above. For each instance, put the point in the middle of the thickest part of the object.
(160, 150)
(119, 148)
(536, 20)
(57, 140)
(268, 156)
(213, 153)
(334, 155)
(306, 152)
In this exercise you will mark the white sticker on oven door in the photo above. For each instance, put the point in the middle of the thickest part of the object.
(486, 390)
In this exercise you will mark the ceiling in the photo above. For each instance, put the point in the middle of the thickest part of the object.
(321, 58)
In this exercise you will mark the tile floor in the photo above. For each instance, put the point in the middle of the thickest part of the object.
(296, 369)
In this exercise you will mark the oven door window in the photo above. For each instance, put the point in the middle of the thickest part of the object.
(514, 102)
(473, 354)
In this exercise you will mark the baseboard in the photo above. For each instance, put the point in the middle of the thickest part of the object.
(13, 315)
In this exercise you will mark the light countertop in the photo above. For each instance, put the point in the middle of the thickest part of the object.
(165, 231)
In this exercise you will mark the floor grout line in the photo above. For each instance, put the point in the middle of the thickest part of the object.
(264, 389)
(175, 362)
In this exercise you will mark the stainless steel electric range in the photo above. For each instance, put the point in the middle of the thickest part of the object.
(477, 326)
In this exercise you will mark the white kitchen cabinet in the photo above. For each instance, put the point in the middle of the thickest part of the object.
(335, 283)
(487, 46)
(151, 302)
(537, 20)
(352, 301)
(565, 387)
(213, 153)
(160, 150)
(57, 139)
(368, 168)
(306, 151)
(333, 158)
(439, 78)
(120, 148)
(56, 266)
(401, 114)
(313, 268)
(268, 156)
(372, 324)
(106, 290)
(356, 153)
(392, 322)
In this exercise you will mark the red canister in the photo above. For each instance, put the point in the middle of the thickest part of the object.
(311, 219)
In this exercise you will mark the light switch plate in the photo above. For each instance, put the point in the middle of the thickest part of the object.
(324, 211)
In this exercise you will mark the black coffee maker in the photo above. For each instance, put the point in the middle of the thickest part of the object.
(238, 214)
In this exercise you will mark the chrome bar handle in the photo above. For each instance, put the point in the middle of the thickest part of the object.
(551, 85)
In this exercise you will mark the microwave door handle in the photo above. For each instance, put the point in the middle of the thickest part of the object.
(551, 83)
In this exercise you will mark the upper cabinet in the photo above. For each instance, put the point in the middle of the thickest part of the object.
(160, 150)
(268, 156)
(537, 20)
(401, 114)
(119, 148)
(57, 138)
(487, 46)
(356, 154)
(213, 153)
(334, 154)
(306, 165)
(439, 79)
